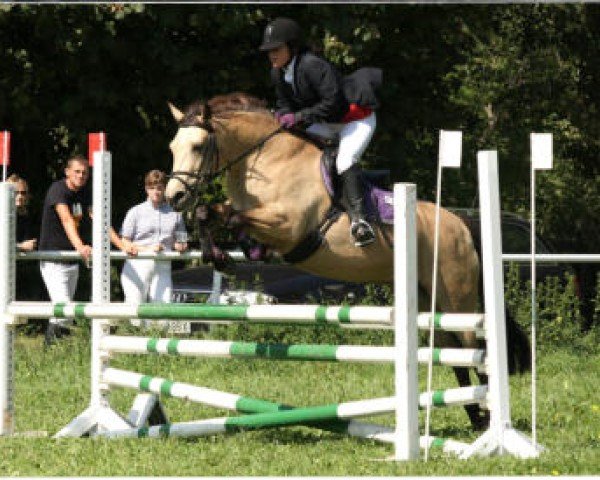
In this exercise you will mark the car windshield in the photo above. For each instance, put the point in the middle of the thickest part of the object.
(516, 239)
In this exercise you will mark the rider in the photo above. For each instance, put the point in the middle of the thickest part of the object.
(311, 91)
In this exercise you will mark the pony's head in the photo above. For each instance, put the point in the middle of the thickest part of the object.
(194, 146)
(186, 147)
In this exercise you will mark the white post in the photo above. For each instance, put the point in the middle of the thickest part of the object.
(7, 294)
(500, 438)
(541, 159)
(98, 416)
(100, 266)
(406, 437)
(493, 285)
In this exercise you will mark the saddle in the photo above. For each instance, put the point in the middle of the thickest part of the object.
(378, 199)
(379, 202)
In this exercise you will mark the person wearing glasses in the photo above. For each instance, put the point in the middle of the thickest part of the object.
(151, 226)
(28, 285)
(26, 242)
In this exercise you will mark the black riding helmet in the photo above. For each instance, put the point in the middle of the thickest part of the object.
(281, 31)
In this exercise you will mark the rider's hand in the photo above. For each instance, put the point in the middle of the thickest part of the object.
(288, 120)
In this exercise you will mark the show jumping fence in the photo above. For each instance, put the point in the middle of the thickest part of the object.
(100, 419)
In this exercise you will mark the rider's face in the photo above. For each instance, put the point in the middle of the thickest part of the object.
(280, 56)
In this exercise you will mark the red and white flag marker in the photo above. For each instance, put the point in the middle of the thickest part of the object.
(4, 152)
(96, 144)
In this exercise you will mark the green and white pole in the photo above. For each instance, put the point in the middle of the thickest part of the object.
(125, 379)
(229, 401)
(243, 404)
(7, 293)
(297, 416)
(255, 421)
(454, 357)
(452, 322)
(228, 424)
(268, 314)
(360, 316)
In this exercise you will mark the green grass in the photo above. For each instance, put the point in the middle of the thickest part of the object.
(52, 387)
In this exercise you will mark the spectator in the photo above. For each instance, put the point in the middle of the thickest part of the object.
(65, 204)
(26, 242)
(28, 277)
(151, 226)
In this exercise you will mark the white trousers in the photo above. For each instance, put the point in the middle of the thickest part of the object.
(61, 283)
(146, 281)
(354, 139)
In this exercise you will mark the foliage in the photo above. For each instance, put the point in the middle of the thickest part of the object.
(495, 71)
(559, 320)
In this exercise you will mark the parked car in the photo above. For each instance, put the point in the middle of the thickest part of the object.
(282, 282)
(516, 238)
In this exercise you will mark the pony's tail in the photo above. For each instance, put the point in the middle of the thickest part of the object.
(518, 347)
(517, 342)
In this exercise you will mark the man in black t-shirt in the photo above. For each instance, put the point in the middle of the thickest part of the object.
(67, 203)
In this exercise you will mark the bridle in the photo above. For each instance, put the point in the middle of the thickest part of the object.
(209, 169)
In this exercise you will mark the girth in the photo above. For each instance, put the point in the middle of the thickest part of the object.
(313, 241)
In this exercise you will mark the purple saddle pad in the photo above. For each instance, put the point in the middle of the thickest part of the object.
(379, 202)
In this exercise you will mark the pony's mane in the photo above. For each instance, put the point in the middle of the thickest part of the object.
(221, 105)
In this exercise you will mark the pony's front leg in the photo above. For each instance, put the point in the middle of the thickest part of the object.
(211, 252)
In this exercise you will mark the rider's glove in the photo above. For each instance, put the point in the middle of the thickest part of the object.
(287, 120)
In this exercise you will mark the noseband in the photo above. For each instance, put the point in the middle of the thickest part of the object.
(209, 168)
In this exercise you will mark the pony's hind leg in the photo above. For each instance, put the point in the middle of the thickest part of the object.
(459, 293)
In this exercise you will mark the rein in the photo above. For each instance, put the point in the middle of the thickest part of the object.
(211, 156)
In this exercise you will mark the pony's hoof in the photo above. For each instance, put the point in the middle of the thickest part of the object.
(223, 262)
(481, 422)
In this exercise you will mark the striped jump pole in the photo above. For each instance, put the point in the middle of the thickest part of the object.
(243, 404)
(125, 379)
(454, 357)
(307, 314)
(221, 425)
(297, 314)
(295, 416)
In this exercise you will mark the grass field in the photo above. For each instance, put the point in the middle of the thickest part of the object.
(52, 387)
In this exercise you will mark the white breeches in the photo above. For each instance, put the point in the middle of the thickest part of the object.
(146, 281)
(354, 139)
(61, 283)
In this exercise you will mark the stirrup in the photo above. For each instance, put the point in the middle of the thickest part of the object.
(362, 233)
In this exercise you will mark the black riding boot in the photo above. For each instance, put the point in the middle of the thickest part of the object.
(361, 230)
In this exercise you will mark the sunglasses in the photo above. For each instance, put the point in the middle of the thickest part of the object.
(22, 192)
